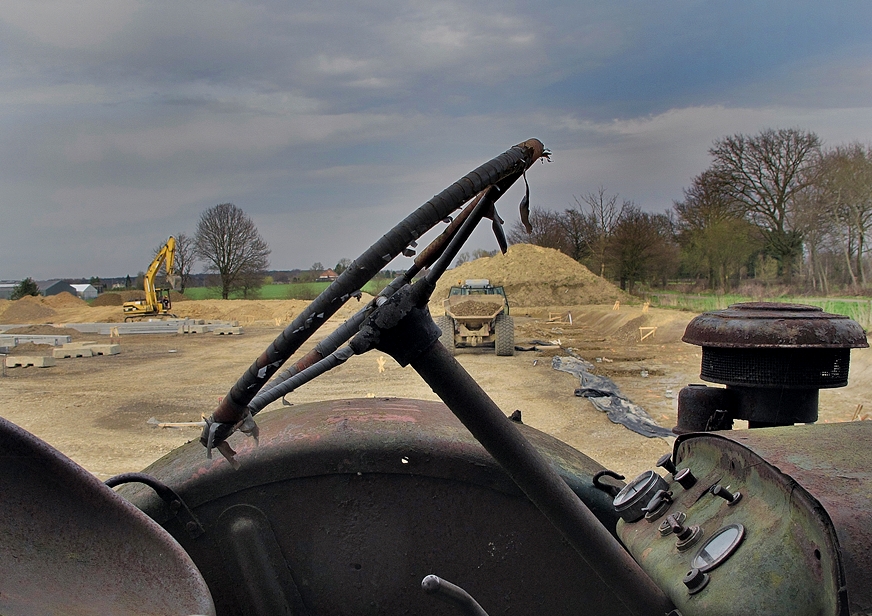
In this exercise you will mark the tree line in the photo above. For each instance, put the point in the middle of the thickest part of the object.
(776, 207)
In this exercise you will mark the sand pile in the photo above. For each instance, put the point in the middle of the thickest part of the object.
(35, 310)
(534, 276)
(117, 298)
(473, 308)
(43, 330)
(242, 310)
(64, 300)
(31, 348)
(111, 299)
(253, 310)
(29, 309)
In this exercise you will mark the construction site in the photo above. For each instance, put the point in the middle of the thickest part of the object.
(482, 423)
(112, 384)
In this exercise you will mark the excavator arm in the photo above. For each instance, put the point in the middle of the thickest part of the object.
(152, 304)
(166, 255)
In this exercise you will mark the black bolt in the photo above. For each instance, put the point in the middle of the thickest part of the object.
(695, 580)
(666, 463)
(685, 478)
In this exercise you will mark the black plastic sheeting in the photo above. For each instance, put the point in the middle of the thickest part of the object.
(607, 397)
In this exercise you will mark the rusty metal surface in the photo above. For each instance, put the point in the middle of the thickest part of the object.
(363, 435)
(832, 463)
(790, 560)
(69, 545)
(774, 325)
(366, 497)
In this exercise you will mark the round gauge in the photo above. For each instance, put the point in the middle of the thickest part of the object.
(630, 501)
(718, 548)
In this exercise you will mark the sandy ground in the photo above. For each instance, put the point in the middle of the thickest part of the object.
(96, 410)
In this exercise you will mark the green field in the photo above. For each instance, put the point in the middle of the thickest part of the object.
(294, 290)
(858, 309)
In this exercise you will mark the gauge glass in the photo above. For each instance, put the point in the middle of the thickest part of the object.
(718, 548)
(629, 492)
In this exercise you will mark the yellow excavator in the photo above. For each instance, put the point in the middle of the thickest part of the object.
(157, 301)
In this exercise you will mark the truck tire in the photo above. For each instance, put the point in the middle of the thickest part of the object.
(504, 335)
(446, 324)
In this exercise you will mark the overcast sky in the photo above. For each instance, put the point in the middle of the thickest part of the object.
(121, 121)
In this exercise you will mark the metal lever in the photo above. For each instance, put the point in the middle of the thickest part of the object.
(175, 503)
(434, 585)
(724, 493)
(687, 535)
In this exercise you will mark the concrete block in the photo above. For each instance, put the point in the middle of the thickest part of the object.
(30, 360)
(105, 349)
(224, 329)
(15, 340)
(66, 351)
(192, 329)
(79, 345)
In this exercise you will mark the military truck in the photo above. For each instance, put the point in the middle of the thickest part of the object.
(477, 315)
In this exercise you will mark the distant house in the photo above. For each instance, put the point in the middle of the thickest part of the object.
(85, 291)
(53, 287)
(6, 289)
(327, 276)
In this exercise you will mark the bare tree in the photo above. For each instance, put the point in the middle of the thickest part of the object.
(547, 230)
(844, 190)
(600, 212)
(765, 173)
(462, 257)
(230, 244)
(183, 260)
(819, 237)
(577, 234)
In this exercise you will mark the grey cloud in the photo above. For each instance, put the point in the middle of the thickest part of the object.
(123, 120)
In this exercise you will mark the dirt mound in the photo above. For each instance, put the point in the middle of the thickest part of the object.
(64, 300)
(42, 330)
(252, 310)
(535, 276)
(108, 299)
(31, 348)
(28, 309)
(117, 298)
